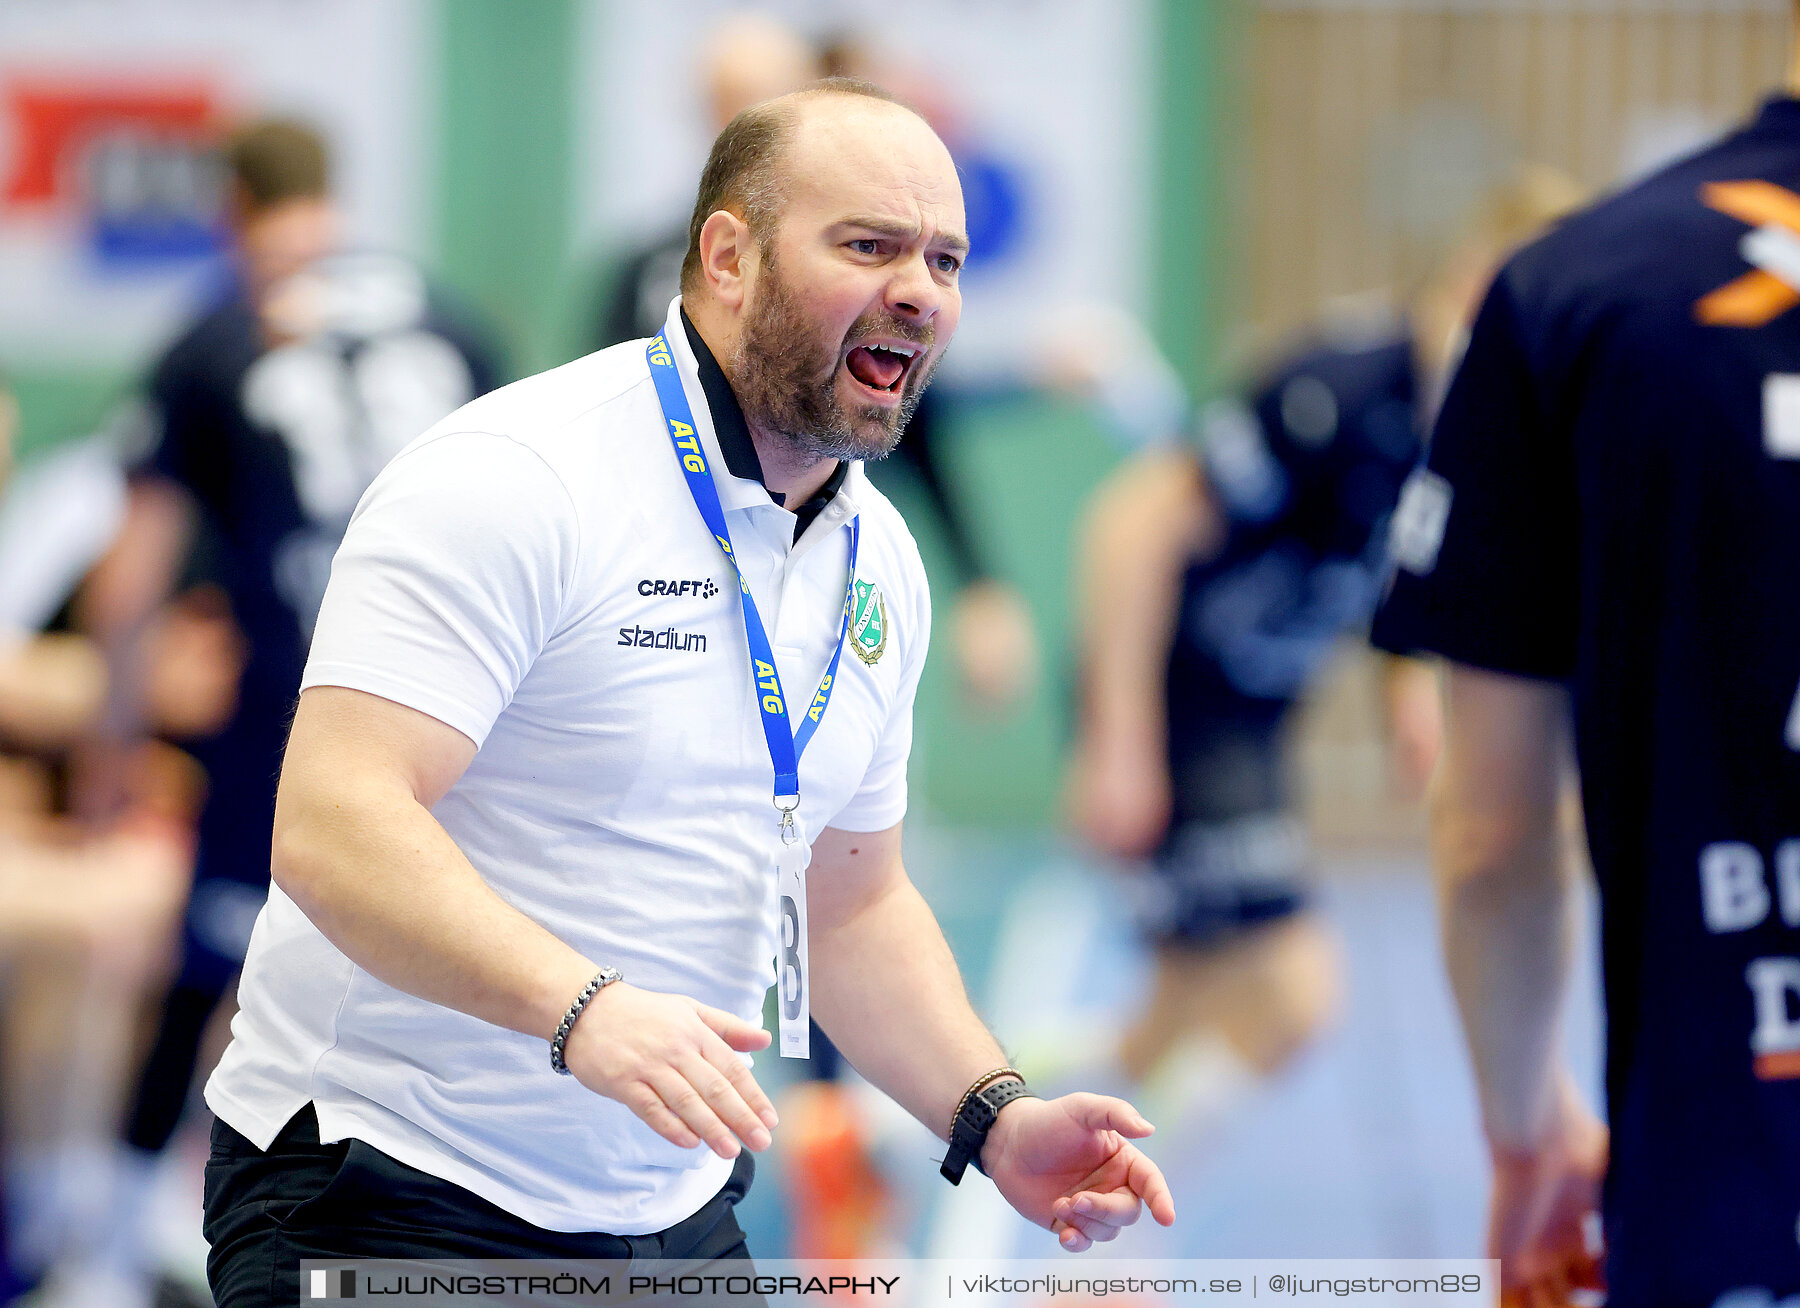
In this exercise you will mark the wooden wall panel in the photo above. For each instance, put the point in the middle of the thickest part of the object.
(1338, 88)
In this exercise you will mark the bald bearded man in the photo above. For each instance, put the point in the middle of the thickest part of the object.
(550, 795)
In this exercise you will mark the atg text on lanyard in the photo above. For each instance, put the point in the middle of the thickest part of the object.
(785, 745)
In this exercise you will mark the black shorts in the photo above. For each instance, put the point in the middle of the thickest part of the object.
(1212, 881)
(1236, 855)
(265, 1211)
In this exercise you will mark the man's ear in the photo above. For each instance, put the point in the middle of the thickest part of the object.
(725, 253)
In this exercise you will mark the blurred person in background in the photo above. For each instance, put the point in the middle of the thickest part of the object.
(1606, 541)
(747, 58)
(86, 904)
(267, 419)
(1216, 583)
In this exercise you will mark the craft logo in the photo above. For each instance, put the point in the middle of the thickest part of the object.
(704, 587)
(332, 1283)
(136, 165)
(869, 623)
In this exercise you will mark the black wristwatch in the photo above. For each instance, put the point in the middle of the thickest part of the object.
(969, 1131)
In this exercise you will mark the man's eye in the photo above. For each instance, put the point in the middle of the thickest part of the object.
(866, 245)
(948, 263)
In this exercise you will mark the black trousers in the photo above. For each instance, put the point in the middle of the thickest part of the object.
(302, 1199)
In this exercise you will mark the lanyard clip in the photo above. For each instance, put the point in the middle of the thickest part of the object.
(789, 834)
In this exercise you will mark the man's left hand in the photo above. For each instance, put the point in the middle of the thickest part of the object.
(1068, 1164)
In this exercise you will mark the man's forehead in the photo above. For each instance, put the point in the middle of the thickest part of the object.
(858, 155)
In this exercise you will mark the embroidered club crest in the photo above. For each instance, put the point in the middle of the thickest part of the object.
(868, 623)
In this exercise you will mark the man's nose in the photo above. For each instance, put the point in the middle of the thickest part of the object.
(914, 293)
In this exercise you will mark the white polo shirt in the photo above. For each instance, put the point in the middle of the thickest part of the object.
(533, 572)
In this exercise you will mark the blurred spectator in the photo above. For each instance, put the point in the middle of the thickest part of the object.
(1217, 582)
(85, 912)
(268, 417)
(749, 57)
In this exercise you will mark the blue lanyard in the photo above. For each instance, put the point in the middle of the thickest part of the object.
(785, 747)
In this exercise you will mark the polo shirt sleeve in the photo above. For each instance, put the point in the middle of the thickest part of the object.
(880, 800)
(1485, 537)
(451, 578)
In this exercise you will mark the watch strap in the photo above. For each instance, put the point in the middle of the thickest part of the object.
(974, 1119)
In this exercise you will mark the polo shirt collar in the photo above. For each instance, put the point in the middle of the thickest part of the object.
(729, 427)
(731, 453)
(1780, 114)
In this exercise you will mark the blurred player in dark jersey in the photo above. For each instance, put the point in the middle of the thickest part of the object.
(1609, 523)
(269, 417)
(1218, 581)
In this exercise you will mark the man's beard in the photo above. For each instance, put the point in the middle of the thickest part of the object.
(785, 377)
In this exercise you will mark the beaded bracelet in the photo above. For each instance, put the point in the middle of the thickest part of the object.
(602, 979)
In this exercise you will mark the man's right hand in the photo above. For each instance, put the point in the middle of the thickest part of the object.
(1541, 1224)
(670, 1060)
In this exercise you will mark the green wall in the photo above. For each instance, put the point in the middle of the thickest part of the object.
(58, 403)
(506, 123)
(1024, 466)
(1197, 139)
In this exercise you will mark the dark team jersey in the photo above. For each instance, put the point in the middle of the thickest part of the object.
(1306, 474)
(277, 445)
(1612, 499)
